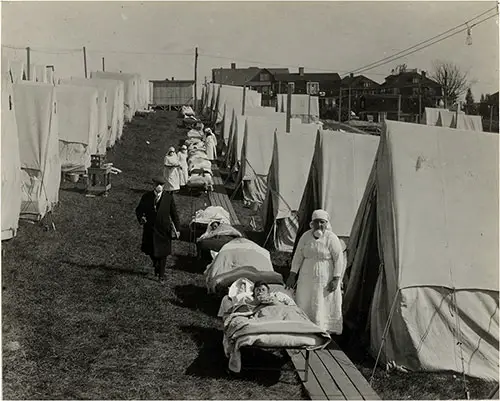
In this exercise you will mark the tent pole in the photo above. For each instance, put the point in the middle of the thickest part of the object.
(85, 60)
(28, 62)
(288, 107)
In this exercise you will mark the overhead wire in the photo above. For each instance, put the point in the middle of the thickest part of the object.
(420, 46)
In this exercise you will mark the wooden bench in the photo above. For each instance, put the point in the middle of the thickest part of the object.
(332, 376)
(218, 197)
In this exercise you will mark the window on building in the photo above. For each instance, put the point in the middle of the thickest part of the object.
(395, 91)
(264, 77)
(312, 88)
(366, 84)
(265, 90)
(415, 91)
(293, 87)
(416, 80)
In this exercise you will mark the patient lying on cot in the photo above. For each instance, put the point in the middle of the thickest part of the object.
(217, 235)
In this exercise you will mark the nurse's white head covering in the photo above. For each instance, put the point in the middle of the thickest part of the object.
(320, 214)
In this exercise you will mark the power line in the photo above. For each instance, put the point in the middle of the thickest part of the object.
(424, 47)
(377, 63)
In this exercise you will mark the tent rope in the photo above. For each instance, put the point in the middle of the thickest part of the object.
(384, 335)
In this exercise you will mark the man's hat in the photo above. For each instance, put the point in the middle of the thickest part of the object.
(159, 180)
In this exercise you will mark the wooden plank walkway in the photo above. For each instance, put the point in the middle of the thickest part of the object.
(332, 376)
(218, 197)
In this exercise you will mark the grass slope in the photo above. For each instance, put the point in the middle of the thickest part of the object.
(91, 323)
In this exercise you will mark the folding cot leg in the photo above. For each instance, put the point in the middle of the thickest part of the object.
(306, 373)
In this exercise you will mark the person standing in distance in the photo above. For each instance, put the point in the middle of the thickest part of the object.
(158, 216)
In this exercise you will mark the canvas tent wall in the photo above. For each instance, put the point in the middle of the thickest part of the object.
(288, 172)
(305, 107)
(423, 262)
(11, 162)
(114, 111)
(339, 171)
(468, 122)
(37, 121)
(129, 90)
(78, 126)
(102, 106)
(256, 155)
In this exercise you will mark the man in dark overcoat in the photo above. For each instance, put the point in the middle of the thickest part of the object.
(157, 214)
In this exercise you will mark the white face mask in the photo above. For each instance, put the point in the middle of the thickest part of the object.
(158, 189)
(318, 233)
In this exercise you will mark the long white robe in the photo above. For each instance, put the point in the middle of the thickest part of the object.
(171, 168)
(317, 261)
(211, 145)
(184, 168)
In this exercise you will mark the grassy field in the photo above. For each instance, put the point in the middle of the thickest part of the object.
(84, 319)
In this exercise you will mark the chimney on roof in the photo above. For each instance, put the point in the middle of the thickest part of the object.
(301, 71)
(351, 75)
(233, 66)
(423, 74)
(172, 78)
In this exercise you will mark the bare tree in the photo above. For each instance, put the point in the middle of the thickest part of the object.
(453, 81)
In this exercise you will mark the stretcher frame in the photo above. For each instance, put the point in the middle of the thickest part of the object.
(306, 367)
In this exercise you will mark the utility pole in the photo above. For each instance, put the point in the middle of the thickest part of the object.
(195, 77)
(28, 64)
(456, 114)
(103, 68)
(419, 102)
(445, 89)
(340, 105)
(399, 107)
(85, 60)
(243, 102)
(491, 117)
(349, 108)
(309, 110)
(288, 107)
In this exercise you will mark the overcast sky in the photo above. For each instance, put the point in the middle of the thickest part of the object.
(331, 36)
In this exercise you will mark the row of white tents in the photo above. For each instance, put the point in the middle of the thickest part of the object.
(420, 207)
(50, 127)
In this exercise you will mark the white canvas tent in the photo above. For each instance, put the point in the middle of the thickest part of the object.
(114, 112)
(339, 171)
(423, 252)
(102, 109)
(17, 70)
(468, 122)
(37, 122)
(305, 107)
(78, 126)
(256, 155)
(290, 165)
(130, 90)
(11, 162)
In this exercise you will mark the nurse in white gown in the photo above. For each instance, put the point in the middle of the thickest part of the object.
(317, 268)
(210, 144)
(182, 156)
(171, 171)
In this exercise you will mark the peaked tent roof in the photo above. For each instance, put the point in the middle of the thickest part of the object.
(339, 171)
(420, 207)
